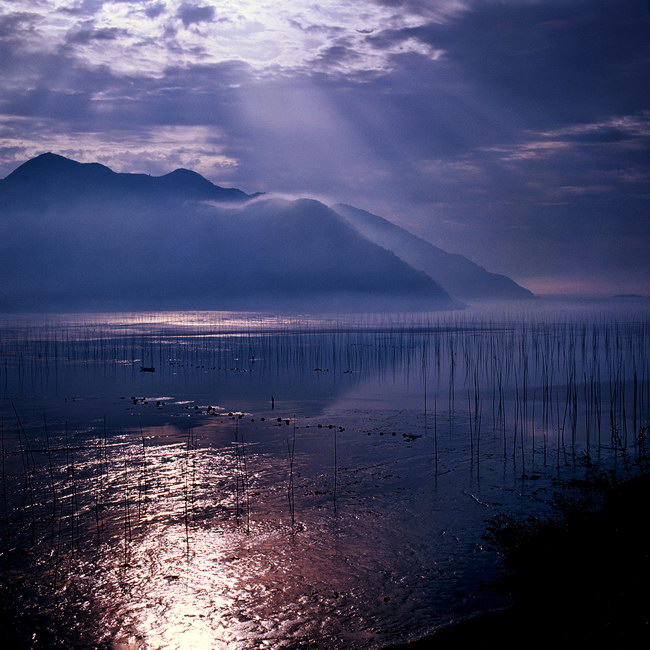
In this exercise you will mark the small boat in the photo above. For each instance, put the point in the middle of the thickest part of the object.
(146, 369)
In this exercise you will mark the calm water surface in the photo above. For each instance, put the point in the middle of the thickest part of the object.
(290, 482)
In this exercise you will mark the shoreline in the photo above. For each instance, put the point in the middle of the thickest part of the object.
(481, 627)
(517, 627)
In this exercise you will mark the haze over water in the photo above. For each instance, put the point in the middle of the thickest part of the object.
(279, 481)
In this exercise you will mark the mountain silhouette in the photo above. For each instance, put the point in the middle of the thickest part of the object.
(82, 237)
(461, 277)
(50, 177)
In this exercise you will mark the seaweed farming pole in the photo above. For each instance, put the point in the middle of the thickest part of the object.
(142, 479)
(452, 378)
(50, 465)
(471, 433)
(186, 472)
(245, 486)
(99, 487)
(237, 473)
(127, 509)
(241, 476)
(335, 469)
(4, 483)
(26, 453)
(291, 448)
(435, 439)
(476, 399)
(27, 449)
(74, 530)
(424, 383)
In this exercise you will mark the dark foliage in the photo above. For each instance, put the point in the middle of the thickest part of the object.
(581, 573)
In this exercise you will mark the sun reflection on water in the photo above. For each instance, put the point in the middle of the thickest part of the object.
(175, 597)
(335, 493)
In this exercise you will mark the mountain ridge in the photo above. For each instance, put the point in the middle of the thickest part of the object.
(53, 174)
(73, 242)
(461, 277)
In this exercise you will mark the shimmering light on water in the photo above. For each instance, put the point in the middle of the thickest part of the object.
(280, 481)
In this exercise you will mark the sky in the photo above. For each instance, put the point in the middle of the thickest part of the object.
(515, 132)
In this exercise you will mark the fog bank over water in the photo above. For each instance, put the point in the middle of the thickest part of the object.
(82, 237)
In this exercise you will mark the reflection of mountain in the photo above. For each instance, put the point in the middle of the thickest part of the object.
(79, 236)
(461, 277)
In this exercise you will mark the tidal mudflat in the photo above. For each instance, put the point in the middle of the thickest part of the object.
(240, 480)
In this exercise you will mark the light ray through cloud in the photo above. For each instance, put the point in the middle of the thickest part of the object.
(498, 129)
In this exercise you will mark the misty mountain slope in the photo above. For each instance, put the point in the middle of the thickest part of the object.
(320, 249)
(461, 277)
(79, 245)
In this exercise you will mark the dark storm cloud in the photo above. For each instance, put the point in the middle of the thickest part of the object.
(155, 9)
(551, 60)
(17, 24)
(84, 7)
(16, 31)
(423, 7)
(182, 96)
(329, 30)
(336, 54)
(86, 33)
(190, 14)
(538, 109)
(67, 105)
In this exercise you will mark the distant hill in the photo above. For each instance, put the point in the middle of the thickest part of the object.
(79, 236)
(51, 177)
(461, 277)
